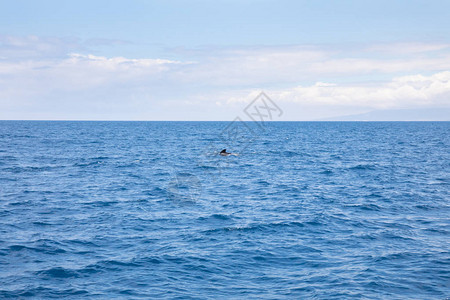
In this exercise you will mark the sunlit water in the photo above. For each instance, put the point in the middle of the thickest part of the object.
(150, 210)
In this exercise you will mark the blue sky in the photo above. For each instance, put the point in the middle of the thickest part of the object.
(205, 60)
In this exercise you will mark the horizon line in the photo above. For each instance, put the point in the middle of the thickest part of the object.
(248, 121)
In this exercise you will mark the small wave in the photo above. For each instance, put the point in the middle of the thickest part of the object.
(58, 272)
(258, 227)
(39, 223)
(19, 248)
(314, 223)
(100, 158)
(289, 153)
(147, 260)
(262, 182)
(8, 158)
(42, 293)
(367, 207)
(101, 203)
(439, 181)
(374, 195)
(8, 179)
(444, 232)
(336, 156)
(221, 217)
(115, 263)
(41, 247)
(362, 167)
(207, 167)
(87, 164)
(326, 172)
(396, 256)
(105, 266)
(156, 192)
(426, 207)
(117, 188)
(392, 236)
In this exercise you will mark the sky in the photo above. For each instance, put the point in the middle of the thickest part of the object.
(208, 60)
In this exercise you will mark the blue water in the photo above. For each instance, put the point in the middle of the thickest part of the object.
(323, 210)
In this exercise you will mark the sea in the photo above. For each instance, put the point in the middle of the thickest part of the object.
(150, 210)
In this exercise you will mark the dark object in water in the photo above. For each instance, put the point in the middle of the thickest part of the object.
(224, 152)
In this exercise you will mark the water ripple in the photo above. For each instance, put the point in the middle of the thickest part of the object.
(306, 211)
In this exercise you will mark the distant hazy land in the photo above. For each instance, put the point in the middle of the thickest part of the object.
(425, 114)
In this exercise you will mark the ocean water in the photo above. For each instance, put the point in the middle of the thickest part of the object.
(305, 210)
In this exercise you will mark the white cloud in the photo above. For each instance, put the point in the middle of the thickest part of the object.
(14, 48)
(405, 91)
(78, 72)
(407, 48)
(39, 78)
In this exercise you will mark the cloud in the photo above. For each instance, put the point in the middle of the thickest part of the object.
(16, 48)
(405, 91)
(348, 66)
(78, 71)
(407, 48)
(58, 75)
